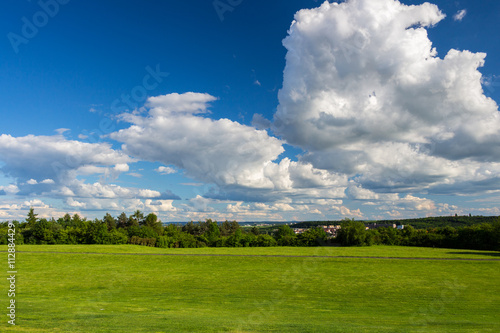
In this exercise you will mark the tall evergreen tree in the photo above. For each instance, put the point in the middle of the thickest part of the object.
(31, 219)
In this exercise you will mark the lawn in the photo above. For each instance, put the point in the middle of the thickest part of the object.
(276, 291)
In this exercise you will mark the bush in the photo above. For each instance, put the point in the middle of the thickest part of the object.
(266, 241)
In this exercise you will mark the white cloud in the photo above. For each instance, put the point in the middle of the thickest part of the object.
(240, 160)
(74, 203)
(159, 205)
(166, 170)
(135, 174)
(120, 205)
(221, 151)
(356, 192)
(10, 189)
(200, 204)
(187, 103)
(60, 131)
(52, 166)
(459, 16)
(350, 213)
(98, 190)
(145, 193)
(365, 95)
(415, 203)
(259, 122)
(19, 210)
(36, 158)
(121, 167)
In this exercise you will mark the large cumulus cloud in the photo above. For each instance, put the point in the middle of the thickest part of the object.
(240, 160)
(365, 94)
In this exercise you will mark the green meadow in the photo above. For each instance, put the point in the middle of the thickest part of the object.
(125, 288)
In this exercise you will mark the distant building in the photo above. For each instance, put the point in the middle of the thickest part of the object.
(372, 226)
(331, 229)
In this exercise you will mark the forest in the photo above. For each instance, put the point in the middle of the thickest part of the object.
(147, 230)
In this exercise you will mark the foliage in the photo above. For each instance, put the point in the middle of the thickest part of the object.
(147, 230)
(353, 233)
(417, 223)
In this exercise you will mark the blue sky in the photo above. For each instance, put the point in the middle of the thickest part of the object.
(227, 110)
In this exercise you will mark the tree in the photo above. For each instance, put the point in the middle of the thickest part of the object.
(172, 230)
(249, 239)
(191, 228)
(285, 236)
(97, 233)
(312, 237)
(234, 239)
(67, 218)
(213, 233)
(44, 232)
(76, 221)
(255, 231)
(31, 219)
(496, 234)
(110, 221)
(265, 240)
(352, 233)
(229, 228)
(122, 220)
(152, 221)
(136, 218)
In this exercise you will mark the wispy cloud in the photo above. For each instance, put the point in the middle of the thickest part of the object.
(134, 174)
(459, 16)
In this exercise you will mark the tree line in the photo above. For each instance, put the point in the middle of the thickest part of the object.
(483, 236)
(148, 230)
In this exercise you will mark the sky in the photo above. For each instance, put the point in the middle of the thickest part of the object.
(250, 110)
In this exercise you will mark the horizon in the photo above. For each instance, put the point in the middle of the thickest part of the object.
(250, 111)
(84, 218)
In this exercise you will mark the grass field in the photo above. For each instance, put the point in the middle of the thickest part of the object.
(92, 289)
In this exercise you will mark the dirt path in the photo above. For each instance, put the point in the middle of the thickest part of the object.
(262, 255)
